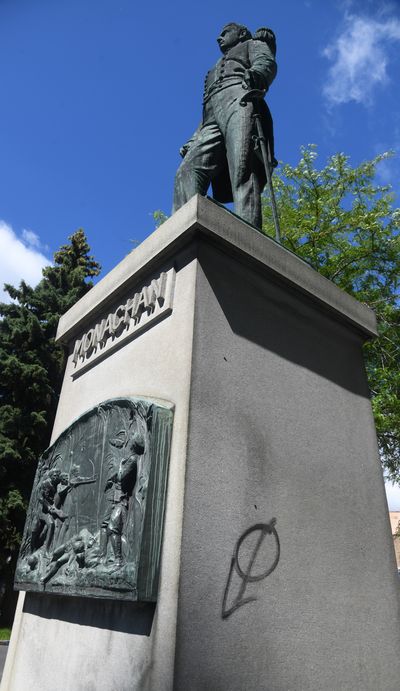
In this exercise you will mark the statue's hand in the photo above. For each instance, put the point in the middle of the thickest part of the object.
(253, 80)
(183, 150)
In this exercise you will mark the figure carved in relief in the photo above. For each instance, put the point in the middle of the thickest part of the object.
(52, 492)
(47, 513)
(68, 482)
(120, 485)
(72, 554)
(64, 555)
(96, 540)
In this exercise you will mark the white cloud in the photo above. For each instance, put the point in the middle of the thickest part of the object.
(30, 238)
(359, 56)
(19, 259)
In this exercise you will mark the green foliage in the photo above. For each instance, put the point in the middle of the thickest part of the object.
(5, 634)
(344, 224)
(159, 217)
(31, 371)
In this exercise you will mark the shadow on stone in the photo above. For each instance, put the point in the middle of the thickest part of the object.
(126, 617)
(283, 323)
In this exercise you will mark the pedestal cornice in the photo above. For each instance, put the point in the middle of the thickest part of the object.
(202, 219)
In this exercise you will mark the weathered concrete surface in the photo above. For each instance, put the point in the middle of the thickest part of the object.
(102, 646)
(3, 655)
(262, 358)
(281, 426)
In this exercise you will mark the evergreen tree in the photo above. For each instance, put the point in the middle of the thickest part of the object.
(31, 371)
(344, 224)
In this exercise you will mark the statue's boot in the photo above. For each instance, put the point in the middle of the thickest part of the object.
(103, 544)
(117, 548)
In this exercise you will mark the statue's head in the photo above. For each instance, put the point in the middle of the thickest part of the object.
(231, 35)
(55, 474)
(78, 544)
(86, 538)
(137, 444)
(119, 440)
(32, 561)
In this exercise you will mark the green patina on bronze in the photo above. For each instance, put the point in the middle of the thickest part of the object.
(233, 147)
(95, 519)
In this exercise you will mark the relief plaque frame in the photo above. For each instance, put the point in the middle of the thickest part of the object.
(95, 519)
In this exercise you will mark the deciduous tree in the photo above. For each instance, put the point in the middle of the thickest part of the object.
(341, 221)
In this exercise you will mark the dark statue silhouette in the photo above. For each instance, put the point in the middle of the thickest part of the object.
(226, 148)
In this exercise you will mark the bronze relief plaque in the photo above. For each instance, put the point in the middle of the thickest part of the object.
(95, 519)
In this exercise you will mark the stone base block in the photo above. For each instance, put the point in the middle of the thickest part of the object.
(277, 568)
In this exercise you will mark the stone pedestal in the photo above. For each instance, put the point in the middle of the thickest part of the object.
(278, 569)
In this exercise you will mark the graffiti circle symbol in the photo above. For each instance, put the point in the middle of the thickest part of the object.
(265, 529)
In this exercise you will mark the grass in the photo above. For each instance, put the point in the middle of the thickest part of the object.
(5, 634)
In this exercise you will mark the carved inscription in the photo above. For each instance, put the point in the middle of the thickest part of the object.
(94, 523)
(243, 565)
(133, 315)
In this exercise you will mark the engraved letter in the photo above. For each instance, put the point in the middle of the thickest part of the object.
(130, 308)
(78, 350)
(87, 340)
(156, 291)
(109, 325)
(140, 306)
(99, 332)
(118, 320)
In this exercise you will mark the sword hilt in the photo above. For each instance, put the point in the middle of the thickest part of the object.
(252, 95)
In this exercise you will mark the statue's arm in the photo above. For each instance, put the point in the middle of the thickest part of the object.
(83, 481)
(185, 148)
(63, 491)
(44, 498)
(263, 66)
(126, 467)
(112, 472)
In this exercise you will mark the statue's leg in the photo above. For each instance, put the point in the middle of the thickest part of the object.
(115, 531)
(104, 532)
(200, 164)
(35, 535)
(103, 542)
(54, 567)
(241, 158)
(50, 533)
(63, 530)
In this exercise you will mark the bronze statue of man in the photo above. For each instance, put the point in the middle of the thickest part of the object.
(222, 151)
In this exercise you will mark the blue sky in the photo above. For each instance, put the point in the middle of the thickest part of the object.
(97, 96)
